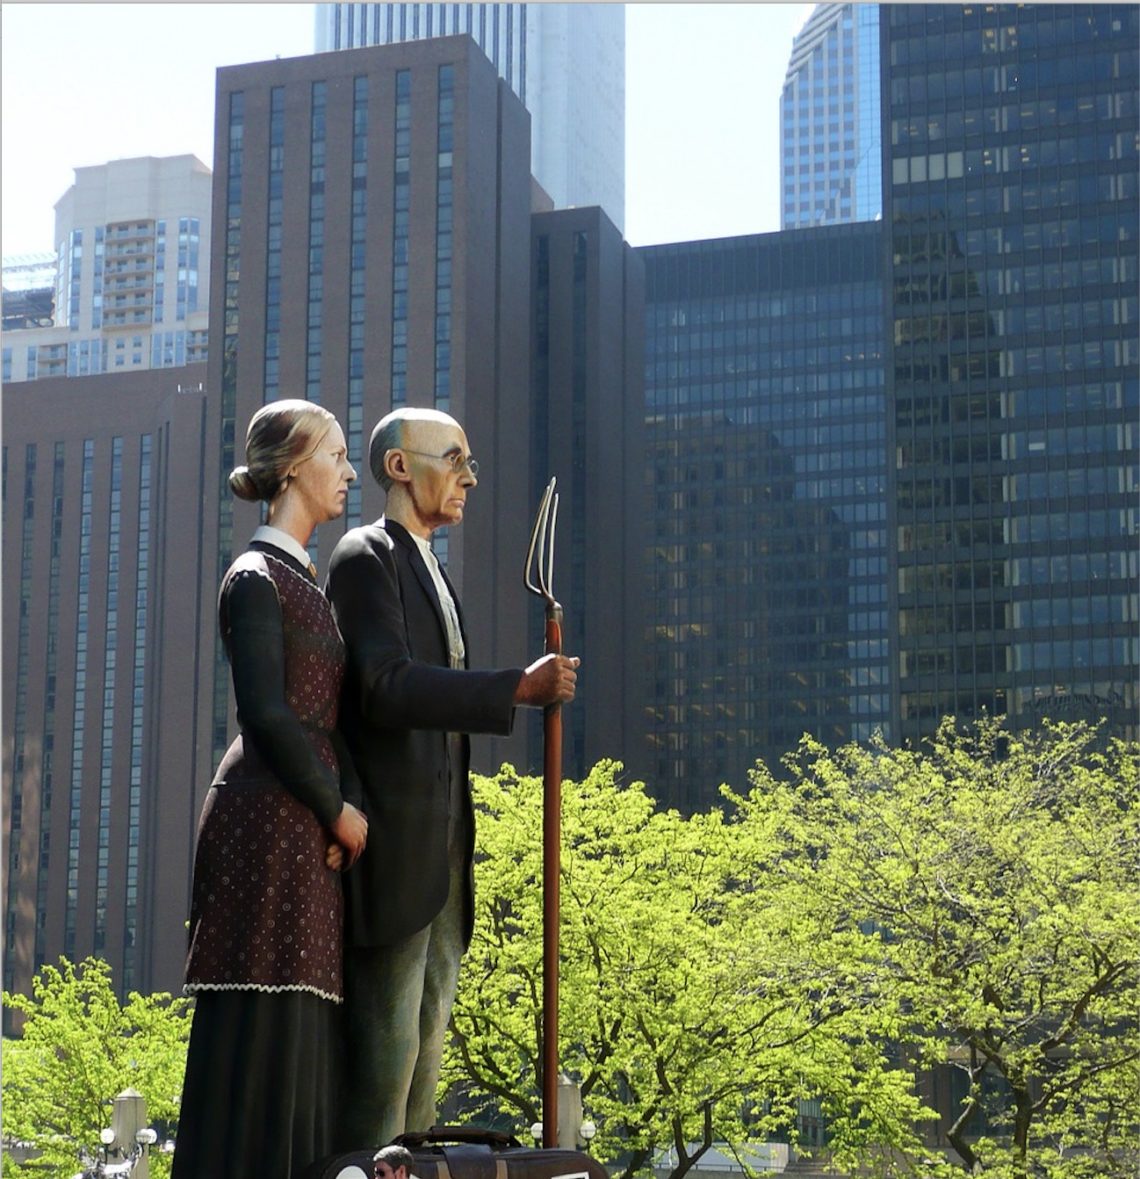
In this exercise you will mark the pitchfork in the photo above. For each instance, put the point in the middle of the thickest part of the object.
(540, 556)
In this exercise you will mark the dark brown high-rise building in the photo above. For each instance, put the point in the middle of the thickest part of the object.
(372, 247)
(588, 425)
(103, 603)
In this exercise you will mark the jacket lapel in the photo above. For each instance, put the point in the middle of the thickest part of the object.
(415, 559)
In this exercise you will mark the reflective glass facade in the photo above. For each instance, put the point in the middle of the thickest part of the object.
(830, 137)
(1014, 239)
(766, 542)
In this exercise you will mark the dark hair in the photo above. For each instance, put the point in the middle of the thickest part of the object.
(279, 435)
(395, 1156)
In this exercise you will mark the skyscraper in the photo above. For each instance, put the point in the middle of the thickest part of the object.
(1011, 197)
(830, 142)
(765, 548)
(587, 429)
(104, 604)
(566, 63)
(131, 277)
(930, 513)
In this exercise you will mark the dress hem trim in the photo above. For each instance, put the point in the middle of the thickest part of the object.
(193, 988)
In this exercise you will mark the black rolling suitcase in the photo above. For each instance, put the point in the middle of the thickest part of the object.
(466, 1152)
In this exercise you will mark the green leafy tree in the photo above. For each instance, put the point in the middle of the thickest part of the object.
(993, 878)
(697, 1002)
(80, 1048)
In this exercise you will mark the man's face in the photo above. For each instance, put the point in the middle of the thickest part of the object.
(437, 490)
(382, 1170)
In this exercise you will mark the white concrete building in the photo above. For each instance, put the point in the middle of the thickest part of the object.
(131, 275)
(565, 61)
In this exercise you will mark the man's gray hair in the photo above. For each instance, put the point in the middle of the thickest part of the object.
(389, 435)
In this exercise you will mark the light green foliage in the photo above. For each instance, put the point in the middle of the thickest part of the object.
(995, 877)
(80, 1048)
(697, 1001)
(972, 904)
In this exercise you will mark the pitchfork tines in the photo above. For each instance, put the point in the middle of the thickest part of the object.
(540, 554)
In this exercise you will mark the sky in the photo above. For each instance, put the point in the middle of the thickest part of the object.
(86, 83)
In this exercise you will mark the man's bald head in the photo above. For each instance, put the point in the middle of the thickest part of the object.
(391, 433)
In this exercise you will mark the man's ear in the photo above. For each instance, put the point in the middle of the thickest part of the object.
(396, 466)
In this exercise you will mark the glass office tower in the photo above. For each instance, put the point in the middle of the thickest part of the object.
(830, 126)
(766, 543)
(1012, 202)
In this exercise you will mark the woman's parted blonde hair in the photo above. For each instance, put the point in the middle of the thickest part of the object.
(280, 434)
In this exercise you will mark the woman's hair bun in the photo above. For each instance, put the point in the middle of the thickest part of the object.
(243, 485)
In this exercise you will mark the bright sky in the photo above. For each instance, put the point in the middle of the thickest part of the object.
(88, 83)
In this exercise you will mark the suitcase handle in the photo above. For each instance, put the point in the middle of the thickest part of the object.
(470, 1135)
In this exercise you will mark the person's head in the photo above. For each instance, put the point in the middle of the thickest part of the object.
(421, 459)
(392, 1162)
(295, 454)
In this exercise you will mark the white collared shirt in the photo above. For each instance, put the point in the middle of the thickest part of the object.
(267, 534)
(446, 601)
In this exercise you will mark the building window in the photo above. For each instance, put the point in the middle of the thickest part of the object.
(110, 661)
(273, 241)
(401, 210)
(235, 129)
(79, 701)
(134, 791)
(20, 711)
(189, 241)
(358, 229)
(443, 235)
(314, 324)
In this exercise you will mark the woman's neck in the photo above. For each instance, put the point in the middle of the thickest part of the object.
(290, 521)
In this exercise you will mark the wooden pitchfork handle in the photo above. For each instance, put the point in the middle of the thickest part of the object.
(540, 556)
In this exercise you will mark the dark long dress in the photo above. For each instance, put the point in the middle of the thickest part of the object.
(264, 965)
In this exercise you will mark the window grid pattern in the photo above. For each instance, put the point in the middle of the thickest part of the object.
(273, 233)
(579, 493)
(85, 357)
(70, 279)
(766, 554)
(20, 712)
(357, 311)
(1013, 218)
(138, 699)
(110, 662)
(47, 755)
(498, 29)
(79, 701)
(97, 278)
(159, 272)
(171, 349)
(830, 138)
(314, 333)
(444, 225)
(401, 212)
(234, 153)
(189, 246)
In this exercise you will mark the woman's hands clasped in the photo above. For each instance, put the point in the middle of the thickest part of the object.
(350, 830)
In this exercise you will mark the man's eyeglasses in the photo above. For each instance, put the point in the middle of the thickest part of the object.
(455, 459)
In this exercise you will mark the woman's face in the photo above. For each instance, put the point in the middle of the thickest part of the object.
(320, 481)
